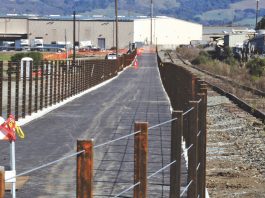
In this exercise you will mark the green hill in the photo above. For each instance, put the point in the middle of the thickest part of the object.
(203, 11)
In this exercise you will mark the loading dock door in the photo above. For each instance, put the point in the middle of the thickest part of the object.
(101, 43)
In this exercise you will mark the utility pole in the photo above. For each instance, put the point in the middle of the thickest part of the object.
(151, 18)
(257, 14)
(65, 41)
(116, 17)
(74, 38)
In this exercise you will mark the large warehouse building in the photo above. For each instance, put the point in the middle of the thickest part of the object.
(166, 31)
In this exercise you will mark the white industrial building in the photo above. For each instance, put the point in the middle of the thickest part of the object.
(166, 31)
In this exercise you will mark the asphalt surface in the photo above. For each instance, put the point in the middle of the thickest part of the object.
(103, 114)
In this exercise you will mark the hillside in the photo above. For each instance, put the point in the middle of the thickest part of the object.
(202, 11)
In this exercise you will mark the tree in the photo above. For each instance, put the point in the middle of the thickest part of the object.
(261, 24)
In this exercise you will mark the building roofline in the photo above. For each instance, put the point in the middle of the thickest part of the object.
(167, 17)
(67, 18)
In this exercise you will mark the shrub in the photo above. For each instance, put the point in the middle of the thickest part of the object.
(203, 58)
(231, 61)
(256, 66)
(36, 56)
(188, 53)
(228, 53)
(261, 83)
(228, 56)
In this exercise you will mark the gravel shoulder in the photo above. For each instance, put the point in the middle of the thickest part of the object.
(235, 151)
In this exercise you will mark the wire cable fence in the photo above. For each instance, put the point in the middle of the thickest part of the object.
(46, 165)
(104, 144)
(77, 153)
(153, 174)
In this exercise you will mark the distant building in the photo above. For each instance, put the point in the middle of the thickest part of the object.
(232, 36)
(235, 40)
(100, 31)
(166, 31)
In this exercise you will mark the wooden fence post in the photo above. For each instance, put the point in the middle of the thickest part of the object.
(46, 84)
(30, 89)
(41, 84)
(84, 173)
(36, 96)
(176, 141)
(66, 84)
(204, 138)
(9, 87)
(17, 92)
(193, 152)
(51, 82)
(2, 182)
(1, 88)
(24, 89)
(62, 80)
(201, 146)
(140, 159)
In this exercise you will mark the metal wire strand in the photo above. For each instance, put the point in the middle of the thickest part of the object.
(187, 187)
(185, 113)
(187, 149)
(160, 124)
(153, 174)
(165, 167)
(120, 138)
(74, 154)
(45, 165)
(126, 190)
(131, 134)
(199, 165)
(158, 171)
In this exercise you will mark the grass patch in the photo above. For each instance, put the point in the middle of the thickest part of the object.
(188, 53)
(5, 56)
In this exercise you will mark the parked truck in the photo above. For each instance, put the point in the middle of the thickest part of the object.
(36, 44)
(21, 44)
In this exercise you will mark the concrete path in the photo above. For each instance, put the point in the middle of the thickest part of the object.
(104, 114)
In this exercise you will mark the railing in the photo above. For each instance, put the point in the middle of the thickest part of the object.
(189, 126)
(29, 88)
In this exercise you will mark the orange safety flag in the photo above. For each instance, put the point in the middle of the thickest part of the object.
(6, 134)
(9, 128)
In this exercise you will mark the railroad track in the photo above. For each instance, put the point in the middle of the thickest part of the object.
(249, 99)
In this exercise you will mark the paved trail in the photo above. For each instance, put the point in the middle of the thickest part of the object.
(104, 114)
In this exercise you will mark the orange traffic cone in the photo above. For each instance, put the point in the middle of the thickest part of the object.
(139, 53)
(135, 64)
